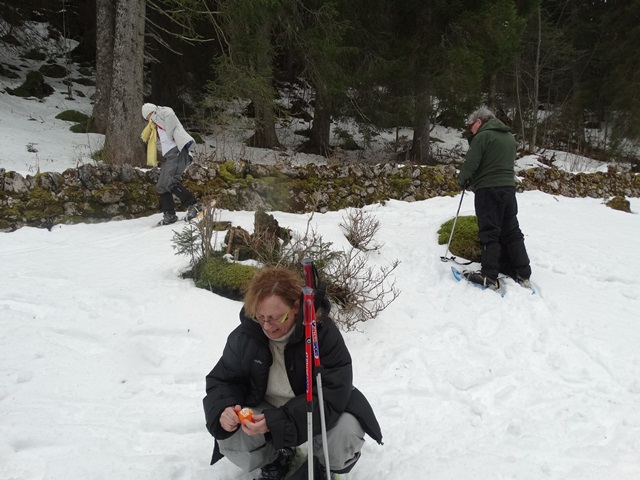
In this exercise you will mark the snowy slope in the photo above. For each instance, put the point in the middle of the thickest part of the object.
(104, 352)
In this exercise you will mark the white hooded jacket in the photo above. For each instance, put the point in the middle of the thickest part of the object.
(166, 119)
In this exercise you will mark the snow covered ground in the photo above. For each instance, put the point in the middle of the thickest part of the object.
(104, 349)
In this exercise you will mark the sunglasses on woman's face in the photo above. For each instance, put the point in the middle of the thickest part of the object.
(271, 321)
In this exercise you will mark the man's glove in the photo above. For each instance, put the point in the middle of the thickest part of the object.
(463, 185)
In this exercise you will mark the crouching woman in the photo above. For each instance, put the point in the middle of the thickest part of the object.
(263, 368)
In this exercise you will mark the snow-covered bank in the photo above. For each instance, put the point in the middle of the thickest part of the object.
(104, 352)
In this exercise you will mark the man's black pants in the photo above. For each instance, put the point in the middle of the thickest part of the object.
(499, 231)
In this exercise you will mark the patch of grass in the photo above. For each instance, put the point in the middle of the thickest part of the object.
(86, 126)
(229, 280)
(72, 116)
(465, 243)
(83, 123)
(98, 155)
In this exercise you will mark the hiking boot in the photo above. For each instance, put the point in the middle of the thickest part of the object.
(193, 211)
(479, 279)
(278, 469)
(168, 219)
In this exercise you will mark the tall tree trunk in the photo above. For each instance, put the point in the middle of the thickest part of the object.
(421, 125)
(105, 31)
(265, 128)
(122, 142)
(518, 118)
(321, 127)
(265, 118)
(492, 100)
(536, 87)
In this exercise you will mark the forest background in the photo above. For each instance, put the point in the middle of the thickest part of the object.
(562, 73)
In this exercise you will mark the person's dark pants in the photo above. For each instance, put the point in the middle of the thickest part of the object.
(175, 163)
(499, 231)
(344, 443)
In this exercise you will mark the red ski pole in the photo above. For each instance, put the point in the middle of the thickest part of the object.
(307, 334)
(310, 322)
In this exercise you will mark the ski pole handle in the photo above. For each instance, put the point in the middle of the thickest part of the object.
(307, 264)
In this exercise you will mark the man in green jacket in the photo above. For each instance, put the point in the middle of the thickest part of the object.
(488, 172)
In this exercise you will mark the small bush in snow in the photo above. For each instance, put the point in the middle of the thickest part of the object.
(620, 203)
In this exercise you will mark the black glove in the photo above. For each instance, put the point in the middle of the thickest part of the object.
(463, 185)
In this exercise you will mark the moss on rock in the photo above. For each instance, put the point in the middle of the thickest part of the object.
(465, 241)
(33, 86)
(620, 203)
(227, 279)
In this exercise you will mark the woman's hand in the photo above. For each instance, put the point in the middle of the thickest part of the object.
(259, 425)
(229, 418)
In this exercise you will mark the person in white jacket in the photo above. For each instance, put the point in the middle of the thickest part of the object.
(175, 144)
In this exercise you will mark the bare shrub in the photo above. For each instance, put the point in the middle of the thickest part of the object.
(357, 290)
(359, 228)
(360, 291)
(308, 244)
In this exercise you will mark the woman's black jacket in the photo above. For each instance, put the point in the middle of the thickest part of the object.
(240, 378)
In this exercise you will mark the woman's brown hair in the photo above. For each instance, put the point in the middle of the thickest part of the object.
(279, 281)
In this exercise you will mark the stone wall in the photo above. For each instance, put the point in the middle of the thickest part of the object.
(99, 193)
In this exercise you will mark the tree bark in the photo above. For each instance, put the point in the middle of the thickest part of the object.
(536, 88)
(321, 127)
(122, 141)
(265, 127)
(265, 118)
(422, 126)
(105, 30)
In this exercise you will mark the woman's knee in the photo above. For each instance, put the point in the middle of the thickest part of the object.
(345, 441)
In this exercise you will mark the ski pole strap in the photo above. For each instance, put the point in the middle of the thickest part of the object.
(455, 260)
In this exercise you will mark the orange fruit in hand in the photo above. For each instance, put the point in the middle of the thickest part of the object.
(245, 414)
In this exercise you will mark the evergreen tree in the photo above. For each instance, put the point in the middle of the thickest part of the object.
(379, 96)
(545, 78)
(438, 70)
(246, 67)
(316, 33)
(621, 82)
(494, 33)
